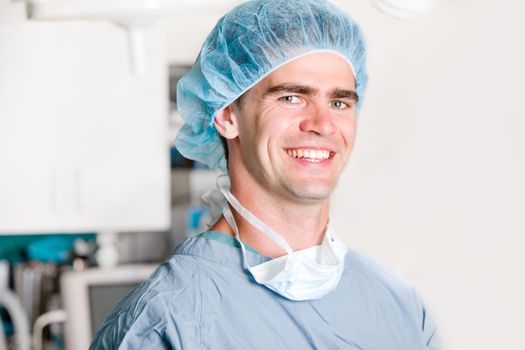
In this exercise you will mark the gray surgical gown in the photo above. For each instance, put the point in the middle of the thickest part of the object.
(204, 298)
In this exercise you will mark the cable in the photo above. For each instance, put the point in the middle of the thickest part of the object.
(42, 321)
(21, 324)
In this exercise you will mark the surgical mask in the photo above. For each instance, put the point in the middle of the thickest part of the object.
(306, 274)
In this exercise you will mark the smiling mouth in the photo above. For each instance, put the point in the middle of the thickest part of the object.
(310, 155)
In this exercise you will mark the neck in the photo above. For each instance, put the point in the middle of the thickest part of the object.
(301, 224)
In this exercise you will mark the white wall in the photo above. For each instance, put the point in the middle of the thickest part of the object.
(435, 187)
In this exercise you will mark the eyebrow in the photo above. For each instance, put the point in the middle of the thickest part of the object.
(307, 90)
(342, 93)
(296, 89)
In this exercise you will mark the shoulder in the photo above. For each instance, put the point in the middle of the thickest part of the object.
(160, 311)
(374, 273)
(388, 293)
(380, 287)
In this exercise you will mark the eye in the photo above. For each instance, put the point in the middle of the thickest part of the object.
(292, 99)
(340, 105)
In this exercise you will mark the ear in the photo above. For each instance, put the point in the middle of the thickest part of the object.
(226, 123)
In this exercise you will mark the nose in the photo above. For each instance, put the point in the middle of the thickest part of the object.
(318, 120)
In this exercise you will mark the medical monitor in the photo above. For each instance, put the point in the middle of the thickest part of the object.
(89, 296)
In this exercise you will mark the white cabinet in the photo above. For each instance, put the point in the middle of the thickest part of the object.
(119, 165)
(83, 142)
(31, 172)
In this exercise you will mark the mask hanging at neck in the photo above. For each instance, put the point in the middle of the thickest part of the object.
(306, 274)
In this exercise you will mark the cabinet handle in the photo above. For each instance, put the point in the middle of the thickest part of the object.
(77, 189)
(53, 191)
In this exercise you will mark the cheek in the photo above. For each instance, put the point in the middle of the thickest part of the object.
(253, 145)
(348, 131)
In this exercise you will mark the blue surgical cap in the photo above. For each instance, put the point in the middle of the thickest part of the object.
(246, 45)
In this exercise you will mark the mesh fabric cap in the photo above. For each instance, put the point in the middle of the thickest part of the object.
(246, 45)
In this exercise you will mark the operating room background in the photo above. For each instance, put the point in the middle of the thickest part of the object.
(435, 186)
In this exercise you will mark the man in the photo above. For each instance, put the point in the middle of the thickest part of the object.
(277, 85)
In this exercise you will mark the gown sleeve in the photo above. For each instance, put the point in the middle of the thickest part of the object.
(142, 333)
(162, 313)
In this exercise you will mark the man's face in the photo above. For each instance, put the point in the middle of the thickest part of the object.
(296, 128)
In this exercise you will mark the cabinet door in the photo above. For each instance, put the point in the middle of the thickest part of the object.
(118, 156)
(31, 138)
(31, 174)
(119, 165)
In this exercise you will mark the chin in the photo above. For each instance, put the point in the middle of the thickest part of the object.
(311, 193)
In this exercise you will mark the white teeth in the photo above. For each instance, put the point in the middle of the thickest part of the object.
(311, 154)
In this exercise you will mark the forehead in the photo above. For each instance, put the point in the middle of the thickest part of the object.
(321, 70)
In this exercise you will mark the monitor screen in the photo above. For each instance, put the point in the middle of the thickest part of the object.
(102, 300)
